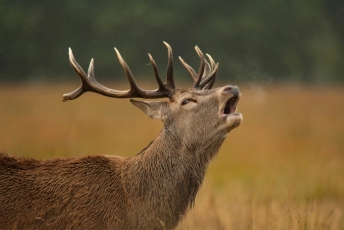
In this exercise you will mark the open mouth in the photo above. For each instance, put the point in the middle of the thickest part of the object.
(230, 106)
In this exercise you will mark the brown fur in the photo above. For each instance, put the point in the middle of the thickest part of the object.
(151, 190)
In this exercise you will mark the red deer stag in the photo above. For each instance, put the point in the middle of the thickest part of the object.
(153, 189)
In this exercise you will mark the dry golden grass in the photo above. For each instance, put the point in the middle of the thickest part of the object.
(283, 168)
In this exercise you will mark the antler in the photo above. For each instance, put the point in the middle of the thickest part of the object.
(89, 83)
(205, 78)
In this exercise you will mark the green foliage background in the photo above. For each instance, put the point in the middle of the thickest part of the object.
(259, 41)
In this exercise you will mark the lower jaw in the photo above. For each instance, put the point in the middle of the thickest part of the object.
(234, 120)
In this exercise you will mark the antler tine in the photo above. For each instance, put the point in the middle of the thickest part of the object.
(188, 68)
(210, 80)
(133, 86)
(90, 72)
(201, 68)
(76, 66)
(207, 70)
(212, 62)
(169, 74)
(156, 73)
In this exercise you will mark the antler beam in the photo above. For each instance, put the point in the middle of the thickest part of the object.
(89, 83)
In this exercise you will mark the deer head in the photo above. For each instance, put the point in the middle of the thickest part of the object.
(199, 114)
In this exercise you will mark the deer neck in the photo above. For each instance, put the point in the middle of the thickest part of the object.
(170, 146)
(171, 171)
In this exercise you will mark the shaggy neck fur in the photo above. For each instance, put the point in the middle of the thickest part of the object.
(170, 171)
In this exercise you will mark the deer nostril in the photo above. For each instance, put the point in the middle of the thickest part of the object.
(228, 89)
(231, 89)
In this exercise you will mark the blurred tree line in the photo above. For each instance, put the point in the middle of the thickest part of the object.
(260, 41)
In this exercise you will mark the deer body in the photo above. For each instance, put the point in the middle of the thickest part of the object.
(151, 190)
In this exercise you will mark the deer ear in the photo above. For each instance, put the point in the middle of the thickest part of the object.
(154, 109)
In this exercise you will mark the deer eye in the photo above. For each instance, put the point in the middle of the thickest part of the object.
(186, 101)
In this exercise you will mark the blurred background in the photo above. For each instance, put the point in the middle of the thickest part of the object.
(280, 41)
(282, 168)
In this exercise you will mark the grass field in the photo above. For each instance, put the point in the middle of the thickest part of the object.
(283, 168)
